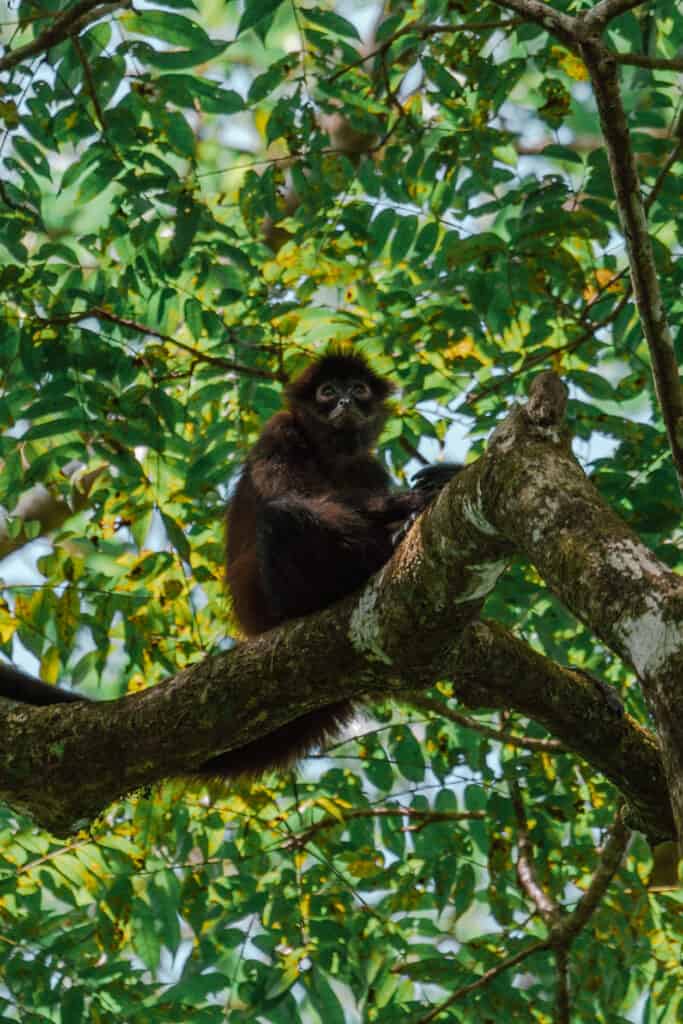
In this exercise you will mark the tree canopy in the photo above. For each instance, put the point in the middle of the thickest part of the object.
(196, 197)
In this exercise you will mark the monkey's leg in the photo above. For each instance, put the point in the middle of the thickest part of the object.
(310, 553)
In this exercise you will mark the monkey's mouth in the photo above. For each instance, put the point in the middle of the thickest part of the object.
(345, 416)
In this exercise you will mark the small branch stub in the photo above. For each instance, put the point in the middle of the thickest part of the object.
(547, 400)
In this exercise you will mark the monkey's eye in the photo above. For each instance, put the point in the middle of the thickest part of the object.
(360, 389)
(325, 392)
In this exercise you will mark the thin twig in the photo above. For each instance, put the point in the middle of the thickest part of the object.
(549, 746)
(612, 856)
(424, 817)
(481, 982)
(640, 60)
(529, 882)
(424, 32)
(202, 357)
(69, 23)
(672, 158)
(537, 358)
(90, 85)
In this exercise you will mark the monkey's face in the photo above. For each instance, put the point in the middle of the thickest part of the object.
(340, 403)
(345, 404)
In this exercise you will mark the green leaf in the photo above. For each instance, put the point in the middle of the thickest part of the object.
(178, 60)
(427, 239)
(403, 237)
(324, 999)
(444, 971)
(192, 990)
(331, 21)
(193, 316)
(32, 155)
(146, 942)
(270, 79)
(379, 772)
(380, 229)
(565, 153)
(176, 536)
(172, 28)
(407, 753)
(185, 89)
(188, 217)
(256, 11)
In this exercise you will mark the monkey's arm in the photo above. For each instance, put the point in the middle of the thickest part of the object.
(281, 462)
(391, 509)
(427, 482)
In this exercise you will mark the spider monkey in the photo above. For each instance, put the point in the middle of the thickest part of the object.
(311, 519)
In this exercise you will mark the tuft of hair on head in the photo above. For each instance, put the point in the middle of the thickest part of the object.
(340, 362)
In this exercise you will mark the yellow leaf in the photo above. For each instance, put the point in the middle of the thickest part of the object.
(330, 807)
(287, 324)
(360, 868)
(464, 349)
(261, 120)
(608, 279)
(572, 65)
(50, 666)
(7, 623)
(23, 607)
(68, 608)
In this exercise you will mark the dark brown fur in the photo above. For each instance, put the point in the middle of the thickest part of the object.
(311, 520)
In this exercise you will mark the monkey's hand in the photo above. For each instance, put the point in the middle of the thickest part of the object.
(430, 479)
(427, 483)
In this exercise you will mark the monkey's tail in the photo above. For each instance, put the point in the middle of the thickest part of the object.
(26, 689)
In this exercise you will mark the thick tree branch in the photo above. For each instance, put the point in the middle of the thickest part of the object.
(414, 623)
(97, 752)
(596, 565)
(492, 668)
